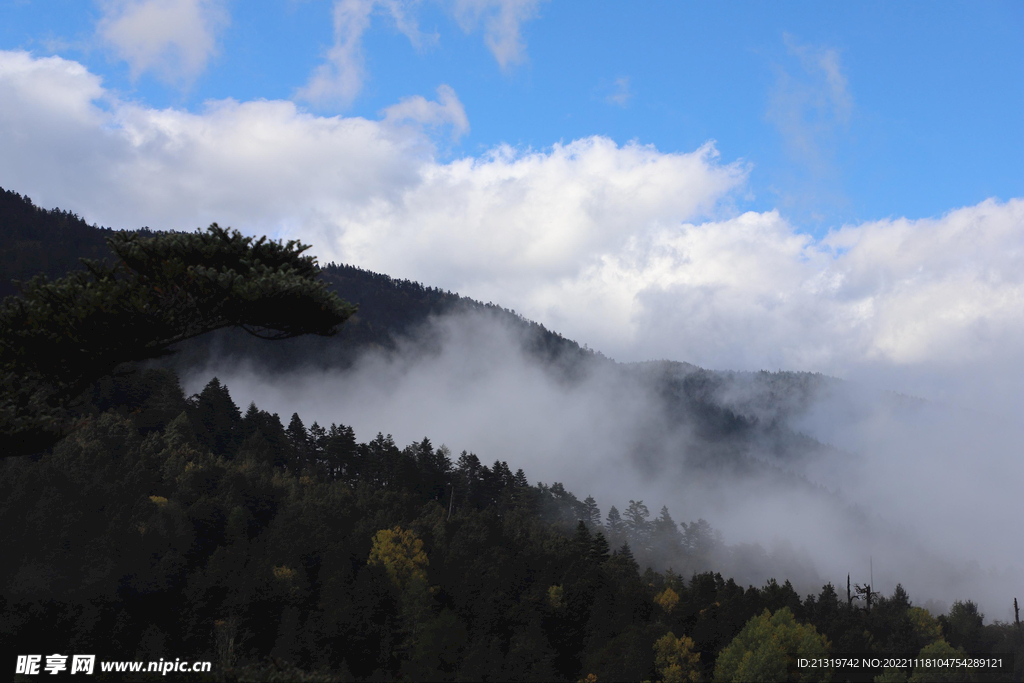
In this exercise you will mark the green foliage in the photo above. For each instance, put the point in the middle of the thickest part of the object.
(941, 650)
(926, 627)
(765, 648)
(891, 675)
(963, 625)
(59, 337)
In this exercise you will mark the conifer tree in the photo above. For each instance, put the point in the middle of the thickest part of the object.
(519, 479)
(216, 418)
(300, 442)
(592, 513)
(637, 525)
(57, 338)
(599, 549)
(583, 541)
(665, 535)
(614, 522)
(340, 452)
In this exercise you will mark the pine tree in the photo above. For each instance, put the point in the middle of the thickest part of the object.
(316, 443)
(614, 522)
(503, 475)
(637, 526)
(624, 561)
(341, 453)
(216, 419)
(665, 534)
(469, 473)
(299, 440)
(520, 479)
(57, 338)
(599, 549)
(583, 541)
(591, 514)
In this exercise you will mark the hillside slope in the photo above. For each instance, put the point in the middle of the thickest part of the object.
(717, 405)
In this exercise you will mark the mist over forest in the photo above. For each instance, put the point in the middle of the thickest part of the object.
(806, 476)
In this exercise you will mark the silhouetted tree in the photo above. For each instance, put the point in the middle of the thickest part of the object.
(58, 337)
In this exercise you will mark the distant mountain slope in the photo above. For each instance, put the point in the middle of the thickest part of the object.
(390, 309)
(35, 240)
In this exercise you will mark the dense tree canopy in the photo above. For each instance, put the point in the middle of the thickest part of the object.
(168, 526)
(58, 337)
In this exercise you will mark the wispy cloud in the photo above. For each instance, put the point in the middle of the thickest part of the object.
(339, 79)
(173, 38)
(619, 92)
(447, 110)
(809, 105)
(502, 21)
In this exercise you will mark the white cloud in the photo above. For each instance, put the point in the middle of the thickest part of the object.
(630, 249)
(174, 38)
(263, 164)
(754, 292)
(502, 21)
(447, 110)
(339, 79)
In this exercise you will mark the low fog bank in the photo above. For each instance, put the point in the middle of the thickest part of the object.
(807, 478)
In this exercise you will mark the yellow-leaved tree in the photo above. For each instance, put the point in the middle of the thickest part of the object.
(401, 554)
(675, 659)
(667, 599)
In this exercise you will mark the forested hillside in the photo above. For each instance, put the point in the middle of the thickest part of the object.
(168, 526)
(37, 241)
(51, 242)
(190, 527)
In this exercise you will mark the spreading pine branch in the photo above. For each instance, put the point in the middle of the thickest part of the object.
(58, 337)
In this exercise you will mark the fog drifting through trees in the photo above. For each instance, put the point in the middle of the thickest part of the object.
(919, 490)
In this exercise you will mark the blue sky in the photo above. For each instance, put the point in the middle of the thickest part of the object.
(836, 187)
(931, 116)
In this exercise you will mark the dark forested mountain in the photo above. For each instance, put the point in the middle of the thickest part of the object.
(37, 241)
(52, 242)
(389, 310)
